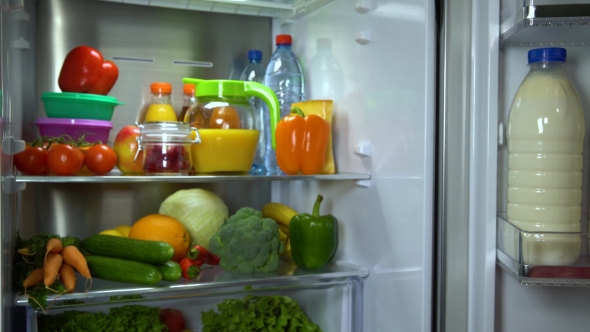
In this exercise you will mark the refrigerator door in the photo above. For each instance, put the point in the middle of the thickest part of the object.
(382, 78)
(17, 76)
(466, 160)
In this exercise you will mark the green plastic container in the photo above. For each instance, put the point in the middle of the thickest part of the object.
(79, 105)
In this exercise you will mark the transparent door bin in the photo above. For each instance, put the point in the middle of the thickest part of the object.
(544, 258)
(331, 299)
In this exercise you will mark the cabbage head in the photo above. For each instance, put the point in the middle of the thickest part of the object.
(199, 210)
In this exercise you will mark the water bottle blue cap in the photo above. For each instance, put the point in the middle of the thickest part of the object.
(255, 55)
(547, 54)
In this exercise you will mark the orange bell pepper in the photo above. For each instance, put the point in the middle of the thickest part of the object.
(301, 143)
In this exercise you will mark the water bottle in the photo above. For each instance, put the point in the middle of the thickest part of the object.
(326, 80)
(254, 72)
(285, 77)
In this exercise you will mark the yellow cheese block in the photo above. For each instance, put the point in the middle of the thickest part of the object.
(322, 108)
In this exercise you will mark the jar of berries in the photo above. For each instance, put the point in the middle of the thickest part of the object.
(166, 147)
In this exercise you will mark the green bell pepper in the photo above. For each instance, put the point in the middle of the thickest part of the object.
(314, 238)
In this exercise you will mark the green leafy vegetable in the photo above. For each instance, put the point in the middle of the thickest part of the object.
(258, 314)
(248, 243)
(121, 319)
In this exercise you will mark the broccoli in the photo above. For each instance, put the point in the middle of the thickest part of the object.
(248, 243)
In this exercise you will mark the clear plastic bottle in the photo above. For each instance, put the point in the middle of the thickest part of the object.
(160, 109)
(545, 143)
(326, 80)
(254, 72)
(188, 98)
(284, 76)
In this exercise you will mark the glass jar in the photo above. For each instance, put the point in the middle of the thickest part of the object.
(166, 147)
(228, 126)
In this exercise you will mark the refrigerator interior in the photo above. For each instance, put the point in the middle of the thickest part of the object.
(554, 308)
(383, 126)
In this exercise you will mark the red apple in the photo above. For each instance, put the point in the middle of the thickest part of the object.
(173, 319)
(126, 147)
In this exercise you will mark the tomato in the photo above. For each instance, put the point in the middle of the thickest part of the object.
(64, 159)
(106, 80)
(101, 159)
(32, 161)
(173, 319)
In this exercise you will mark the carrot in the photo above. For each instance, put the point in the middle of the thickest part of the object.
(34, 278)
(53, 245)
(50, 268)
(67, 275)
(74, 257)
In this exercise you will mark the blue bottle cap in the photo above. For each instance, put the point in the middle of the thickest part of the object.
(547, 54)
(255, 55)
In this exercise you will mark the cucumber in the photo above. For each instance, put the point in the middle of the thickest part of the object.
(153, 252)
(171, 271)
(122, 270)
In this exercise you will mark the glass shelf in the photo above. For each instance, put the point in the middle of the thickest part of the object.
(543, 258)
(550, 25)
(284, 10)
(117, 177)
(212, 282)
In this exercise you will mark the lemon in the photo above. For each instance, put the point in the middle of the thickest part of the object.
(123, 229)
(112, 232)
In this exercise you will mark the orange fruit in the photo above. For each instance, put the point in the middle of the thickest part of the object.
(158, 227)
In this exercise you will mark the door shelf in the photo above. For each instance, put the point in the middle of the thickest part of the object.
(550, 25)
(543, 258)
(211, 282)
(116, 177)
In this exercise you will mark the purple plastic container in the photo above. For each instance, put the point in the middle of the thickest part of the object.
(94, 130)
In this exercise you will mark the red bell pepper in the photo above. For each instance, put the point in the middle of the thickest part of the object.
(190, 268)
(106, 80)
(85, 71)
(202, 254)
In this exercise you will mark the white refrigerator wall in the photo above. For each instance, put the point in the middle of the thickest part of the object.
(388, 83)
(529, 308)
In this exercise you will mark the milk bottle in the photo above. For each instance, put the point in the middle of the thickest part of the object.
(545, 143)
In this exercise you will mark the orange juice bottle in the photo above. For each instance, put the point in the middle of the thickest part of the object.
(160, 109)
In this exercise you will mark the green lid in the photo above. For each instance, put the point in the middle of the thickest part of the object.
(218, 88)
(71, 96)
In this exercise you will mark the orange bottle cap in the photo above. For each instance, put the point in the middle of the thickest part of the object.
(161, 87)
(189, 89)
(284, 39)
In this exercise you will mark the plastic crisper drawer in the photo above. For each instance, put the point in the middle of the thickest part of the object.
(332, 298)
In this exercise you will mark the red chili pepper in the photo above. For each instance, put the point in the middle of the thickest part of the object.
(190, 269)
(198, 252)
